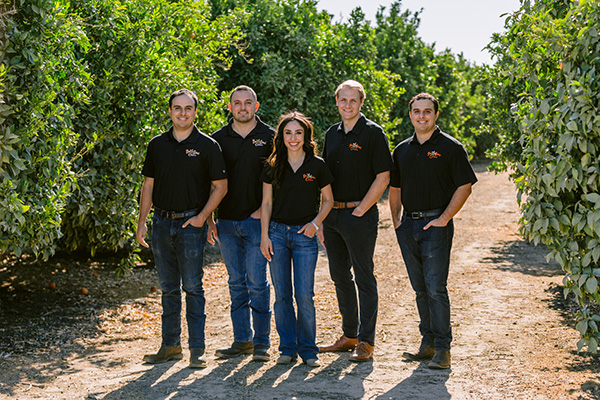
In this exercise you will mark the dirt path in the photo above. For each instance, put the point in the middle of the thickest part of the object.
(512, 335)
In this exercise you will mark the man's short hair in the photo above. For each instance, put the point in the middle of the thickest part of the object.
(424, 96)
(243, 88)
(353, 85)
(181, 92)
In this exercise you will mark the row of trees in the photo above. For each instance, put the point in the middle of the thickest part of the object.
(85, 82)
(546, 111)
(83, 87)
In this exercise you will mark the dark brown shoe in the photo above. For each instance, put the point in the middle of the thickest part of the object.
(197, 359)
(236, 349)
(426, 352)
(165, 353)
(363, 352)
(441, 360)
(342, 344)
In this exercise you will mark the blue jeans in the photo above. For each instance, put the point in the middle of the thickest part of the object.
(179, 255)
(293, 275)
(248, 284)
(350, 243)
(427, 258)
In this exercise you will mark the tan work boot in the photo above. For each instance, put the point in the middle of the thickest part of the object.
(165, 353)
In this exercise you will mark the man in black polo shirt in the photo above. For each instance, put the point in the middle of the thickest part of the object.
(431, 180)
(246, 143)
(185, 180)
(357, 153)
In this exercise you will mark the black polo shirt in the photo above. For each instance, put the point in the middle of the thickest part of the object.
(356, 157)
(245, 160)
(183, 171)
(297, 199)
(429, 173)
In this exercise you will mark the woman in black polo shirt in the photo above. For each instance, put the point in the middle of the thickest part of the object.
(297, 197)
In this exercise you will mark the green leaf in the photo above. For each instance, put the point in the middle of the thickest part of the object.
(545, 106)
(593, 345)
(580, 344)
(593, 197)
(582, 327)
(591, 285)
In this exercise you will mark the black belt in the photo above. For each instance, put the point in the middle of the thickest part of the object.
(423, 214)
(176, 215)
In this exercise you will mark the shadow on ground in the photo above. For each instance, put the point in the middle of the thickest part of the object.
(46, 316)
(520, 256)
(236, 378)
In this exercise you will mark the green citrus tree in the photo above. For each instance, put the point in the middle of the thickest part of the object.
(551, 52)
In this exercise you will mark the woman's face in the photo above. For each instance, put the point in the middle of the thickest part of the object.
(293, 136)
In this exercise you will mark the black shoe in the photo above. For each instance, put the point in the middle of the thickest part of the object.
(197, 359)
(261, 353)
(426, 352)
(236, 348)
(441, 360)
(165, 353)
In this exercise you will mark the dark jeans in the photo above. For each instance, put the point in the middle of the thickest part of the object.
(248, 284)
(350, 243)
(178, 254)
(427, 258)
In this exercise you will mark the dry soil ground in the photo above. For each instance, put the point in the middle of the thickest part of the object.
(513, 331)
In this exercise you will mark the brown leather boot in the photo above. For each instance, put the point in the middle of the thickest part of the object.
(197, 359)
(363, 352)
(426, 352)
(344, 343)
(165, 353)
(441, 360)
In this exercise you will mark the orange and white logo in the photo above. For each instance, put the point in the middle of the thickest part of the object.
(309, 178)
(433, 154)
(192, 152)
(355, 147)
(258, 142)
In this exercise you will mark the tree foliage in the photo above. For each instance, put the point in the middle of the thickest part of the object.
(551, 57)
(85, 85)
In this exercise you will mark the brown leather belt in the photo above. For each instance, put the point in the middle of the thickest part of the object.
(345, 204)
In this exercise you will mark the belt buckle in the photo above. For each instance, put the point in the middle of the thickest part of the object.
(416, 215)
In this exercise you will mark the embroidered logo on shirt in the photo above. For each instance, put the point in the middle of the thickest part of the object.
(258, 142)
(309, 178)
(192, 153)
(433, 154)
(355, 147)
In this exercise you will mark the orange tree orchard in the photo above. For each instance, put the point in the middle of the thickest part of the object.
(547, 90)
(85, 82)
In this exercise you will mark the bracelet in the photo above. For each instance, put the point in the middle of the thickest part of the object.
(316, 226)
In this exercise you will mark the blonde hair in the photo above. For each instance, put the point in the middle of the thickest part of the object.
(353, 85)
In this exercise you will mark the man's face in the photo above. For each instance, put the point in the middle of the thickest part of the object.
(243, 106)
(349, 103)
(183, 112)
(423, 116)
